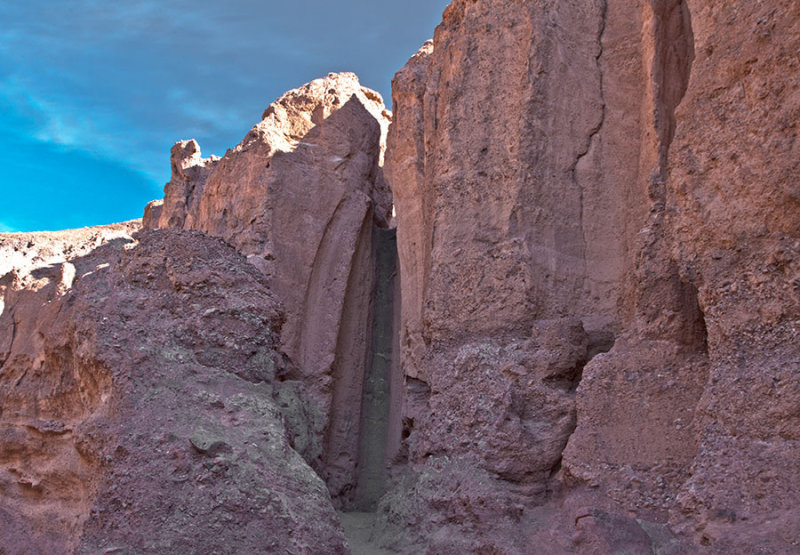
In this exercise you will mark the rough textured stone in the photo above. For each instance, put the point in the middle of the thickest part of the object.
(445, 506)
(25, 252)
(734, 207)
(512, 405)
(299, 196)
(518, 208)
(490, 204)
(138, 410)
(630, 166)
(598, 231)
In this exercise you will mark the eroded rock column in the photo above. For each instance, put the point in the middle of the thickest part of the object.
(299, 196)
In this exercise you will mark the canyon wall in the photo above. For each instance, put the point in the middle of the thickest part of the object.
(519, 157)
(116, 378)
(586, 340)
(734, 204)
(575, 175)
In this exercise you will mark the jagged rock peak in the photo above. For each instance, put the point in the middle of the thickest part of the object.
(354, 153)
(298, 110)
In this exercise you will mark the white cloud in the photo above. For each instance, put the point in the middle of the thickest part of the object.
(60, 122)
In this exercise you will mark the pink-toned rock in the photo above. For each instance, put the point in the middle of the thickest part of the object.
(734, 204)
(139, 408)
(626, 166)
(25, 252)
(512, 405)
(300, 196)
(517, 208)
(598, 228)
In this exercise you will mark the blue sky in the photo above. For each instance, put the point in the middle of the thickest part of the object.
(94, 93)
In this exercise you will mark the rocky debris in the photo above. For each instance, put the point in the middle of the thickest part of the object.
(450, 505)
(512, 405)
(25, 252)
(139, 411)
(299, 196)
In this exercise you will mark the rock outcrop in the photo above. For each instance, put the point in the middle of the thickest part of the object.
(300, 197)
(593, 346)
(140, 409)
(571, 176)
(518, 207)
(733, 199)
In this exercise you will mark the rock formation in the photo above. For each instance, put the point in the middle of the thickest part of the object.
(561, 187)
(140, 411)
(586, 340)
(300, 196)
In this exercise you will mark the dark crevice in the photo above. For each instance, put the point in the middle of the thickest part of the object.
(376, 398)
(694, 332)
(673, 55)
(556, 468)
(11, 343)
(595, 131)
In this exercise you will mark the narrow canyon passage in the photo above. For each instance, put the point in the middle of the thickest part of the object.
(376, 399)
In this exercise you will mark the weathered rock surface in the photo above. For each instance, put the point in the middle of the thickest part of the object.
(139, 409)
(517, 209)
(300, 196)
(627, 169)
(25, 252)
(598, 234)
(733, 199)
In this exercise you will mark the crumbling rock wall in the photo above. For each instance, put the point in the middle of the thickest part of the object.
(139, 408)
(734, 206)
(598, 234)
(650, 382)
(515, 161)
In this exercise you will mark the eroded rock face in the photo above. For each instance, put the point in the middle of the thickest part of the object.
(624, 167)
(726, 226)
(506, 188)
(299, 196)
(598, 227)
(23, 253)
(517, 210)
(733, 189)
(511, 405)
(139, 408)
